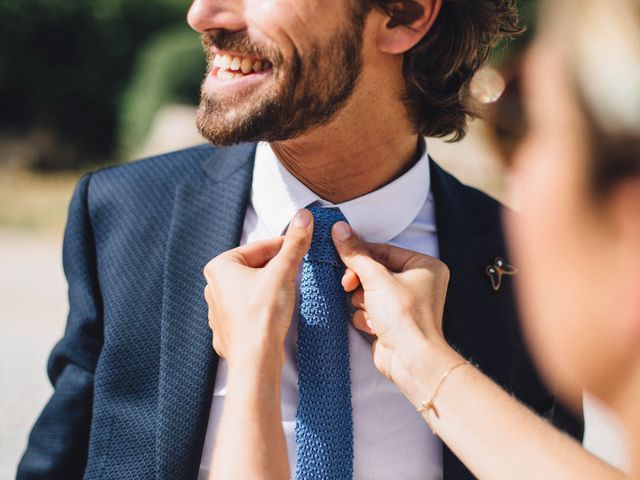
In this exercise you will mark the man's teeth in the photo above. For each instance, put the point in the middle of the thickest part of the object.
(235, 64)
(234, 67)
(246, 65)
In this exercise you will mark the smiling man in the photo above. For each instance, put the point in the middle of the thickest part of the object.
(307, 103)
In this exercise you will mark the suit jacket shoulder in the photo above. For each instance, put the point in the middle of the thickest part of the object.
(129, 298)
(142, 179)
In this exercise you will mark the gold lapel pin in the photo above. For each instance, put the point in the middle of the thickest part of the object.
(497, 270)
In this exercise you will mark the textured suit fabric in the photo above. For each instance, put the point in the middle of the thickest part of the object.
(134, 373)
(324, 423)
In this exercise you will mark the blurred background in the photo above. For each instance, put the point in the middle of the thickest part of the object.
(85, 84)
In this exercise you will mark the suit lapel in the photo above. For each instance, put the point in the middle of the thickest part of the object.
(469, 237)
(207, 220)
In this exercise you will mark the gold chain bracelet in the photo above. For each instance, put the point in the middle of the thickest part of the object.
(428, 404)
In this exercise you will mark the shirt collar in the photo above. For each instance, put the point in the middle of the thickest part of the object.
(379, 216)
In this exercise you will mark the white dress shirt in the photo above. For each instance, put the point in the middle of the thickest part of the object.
(391, 440)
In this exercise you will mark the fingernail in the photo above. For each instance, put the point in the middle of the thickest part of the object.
(301, 218)
(342, 230)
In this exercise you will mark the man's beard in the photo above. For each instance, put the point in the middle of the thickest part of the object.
(302, 93)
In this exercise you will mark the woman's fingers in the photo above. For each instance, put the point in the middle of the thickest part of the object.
(254, 255)
(361, 322)
(296, 243)
(217, 346)
(350, 280)
(209, 299)
(357, 299)
(382, 357)
(395, 258)
(265, 272)
(354, 253)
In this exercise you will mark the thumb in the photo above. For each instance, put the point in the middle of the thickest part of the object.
(296, 243)
(354, 253)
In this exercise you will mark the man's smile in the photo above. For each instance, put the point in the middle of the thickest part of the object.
(231, 72)
(227, 66)
(262, 81)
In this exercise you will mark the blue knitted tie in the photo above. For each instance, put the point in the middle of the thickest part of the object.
(324, 427)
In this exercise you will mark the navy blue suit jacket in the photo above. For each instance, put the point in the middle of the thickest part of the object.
(134, 372)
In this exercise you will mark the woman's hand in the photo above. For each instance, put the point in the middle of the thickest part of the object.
(399, 297)
(251, 292)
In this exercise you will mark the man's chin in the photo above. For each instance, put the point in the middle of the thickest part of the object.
(224, 129)
(223, 126)
(221, 138)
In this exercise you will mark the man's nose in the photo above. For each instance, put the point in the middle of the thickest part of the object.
(207, 15)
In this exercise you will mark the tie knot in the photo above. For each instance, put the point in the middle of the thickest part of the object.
(322, 249)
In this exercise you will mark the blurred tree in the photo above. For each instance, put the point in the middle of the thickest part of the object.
(170, 68)
(64, 65)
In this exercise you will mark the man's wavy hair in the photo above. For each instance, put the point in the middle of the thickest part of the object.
(439, 68)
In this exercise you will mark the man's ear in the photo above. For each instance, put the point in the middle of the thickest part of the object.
(405, 23)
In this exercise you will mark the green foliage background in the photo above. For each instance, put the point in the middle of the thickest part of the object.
(65, 66)
(169, 68)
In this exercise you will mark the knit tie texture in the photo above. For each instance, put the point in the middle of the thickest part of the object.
(324, 425)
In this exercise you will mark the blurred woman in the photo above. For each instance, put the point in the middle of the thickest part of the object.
(577, 246)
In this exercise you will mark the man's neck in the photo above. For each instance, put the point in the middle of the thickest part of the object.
(366, 146)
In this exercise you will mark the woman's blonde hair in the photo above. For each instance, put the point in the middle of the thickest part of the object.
(601, 42)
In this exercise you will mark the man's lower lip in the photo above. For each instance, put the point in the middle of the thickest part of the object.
(233, 85)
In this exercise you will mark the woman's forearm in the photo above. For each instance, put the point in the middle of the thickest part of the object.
(250, 442)
(493, 434)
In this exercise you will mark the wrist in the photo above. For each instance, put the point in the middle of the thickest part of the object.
(264, 363)
(432, 358)
(261, 337)
(261, 351)
(254, 379)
